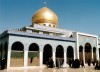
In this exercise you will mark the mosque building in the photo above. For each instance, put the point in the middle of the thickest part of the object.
(33, 45)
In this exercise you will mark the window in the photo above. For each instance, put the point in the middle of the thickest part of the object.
(44, 24)
(36, 32)
(49, 25)
(53, 25)
(45, 33)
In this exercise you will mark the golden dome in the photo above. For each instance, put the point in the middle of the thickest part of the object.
(45, 15)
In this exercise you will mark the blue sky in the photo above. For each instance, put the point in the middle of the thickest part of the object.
(77, 15)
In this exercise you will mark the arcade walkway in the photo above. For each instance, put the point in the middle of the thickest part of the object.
(87, 69)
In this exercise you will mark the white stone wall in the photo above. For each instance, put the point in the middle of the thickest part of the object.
(41, 42)
(27, 41)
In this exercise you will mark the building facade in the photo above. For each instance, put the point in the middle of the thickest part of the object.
(33, 45)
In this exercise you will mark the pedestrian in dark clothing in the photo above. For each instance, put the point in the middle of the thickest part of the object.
(0, 63)
(58, 63)
(3, 62)
(89, 62)
(73, 63)
(96, 66)
(70, 62)
(99, 65)
(50, 63)
(61, 62)
(82, 63)
(93, 62)
(77, 63)
(31, 60)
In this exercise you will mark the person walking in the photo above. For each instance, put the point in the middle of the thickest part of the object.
(58, 62)
(89, 62)
(3, 63)
(82, 63)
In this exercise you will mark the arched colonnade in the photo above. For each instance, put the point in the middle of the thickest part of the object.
(37, 54)
(87, 52)
(19, 54)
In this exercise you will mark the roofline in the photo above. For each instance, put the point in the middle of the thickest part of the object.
(26, 34)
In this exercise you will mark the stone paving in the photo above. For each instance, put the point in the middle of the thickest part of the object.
(87, 69)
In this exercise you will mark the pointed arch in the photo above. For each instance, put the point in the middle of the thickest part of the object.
(5, 53)
(5, 50)
(47, 53)
(1, 48)
(17, 54)
(80, 53)
(94, 54)
(59, 51)
(70, 53)
(33, 55)
(59, 54)
(88, 53)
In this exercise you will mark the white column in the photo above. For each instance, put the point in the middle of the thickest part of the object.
(41, 58)
(54, 60)
(74, 54)
(77, 46)
(78, 52)
(84, 56)
(64, 65)
(9, 56)
(92, 53)
(25, 58)
(97, 50)
(97, 53)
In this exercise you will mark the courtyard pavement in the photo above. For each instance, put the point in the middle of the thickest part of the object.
(86, 69)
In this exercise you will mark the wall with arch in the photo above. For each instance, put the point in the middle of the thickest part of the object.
(41, 42)
(92, 41)
(4, 49)
(26, 41)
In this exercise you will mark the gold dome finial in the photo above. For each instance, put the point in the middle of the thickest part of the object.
(45, 16)
(44, 3)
